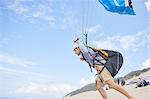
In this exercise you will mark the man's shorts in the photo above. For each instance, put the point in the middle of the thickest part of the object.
(104, 76)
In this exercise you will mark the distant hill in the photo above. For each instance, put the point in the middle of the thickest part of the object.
(87, 87)
(135, 73)
(91, 87)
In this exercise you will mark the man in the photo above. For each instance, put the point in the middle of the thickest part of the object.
(141, 83)
(120, 81)
(100, 62)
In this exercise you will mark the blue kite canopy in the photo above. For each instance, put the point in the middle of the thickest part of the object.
(118, 6)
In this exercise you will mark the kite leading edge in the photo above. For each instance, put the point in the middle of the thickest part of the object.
(118, 6)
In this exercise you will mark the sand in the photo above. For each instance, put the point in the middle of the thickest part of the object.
(138, 93)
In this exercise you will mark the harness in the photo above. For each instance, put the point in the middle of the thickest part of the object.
(98, 52)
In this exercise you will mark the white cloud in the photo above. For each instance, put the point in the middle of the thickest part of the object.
(147, 4)
(34, 89)
(94, 29)
(42, 16)
(37, 14)
(41, 11)
(69, 21)
(146, 64)
(105, 44)
(16, 71)
(135, 41)
(85, 81)
(37, 89)
(126, 42)
(5, 58)
(17, 7)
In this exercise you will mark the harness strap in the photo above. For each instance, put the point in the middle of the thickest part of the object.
(94, 59)
(90, 68)
(100, 71)
(102, 53)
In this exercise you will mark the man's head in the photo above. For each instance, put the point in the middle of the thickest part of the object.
(76, 46)
(77, 50)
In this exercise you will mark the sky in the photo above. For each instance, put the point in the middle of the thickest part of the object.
(36, 44)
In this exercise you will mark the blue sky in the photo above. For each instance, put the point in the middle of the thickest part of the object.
(36, 57)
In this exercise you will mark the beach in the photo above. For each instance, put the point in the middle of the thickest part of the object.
(138, 93)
